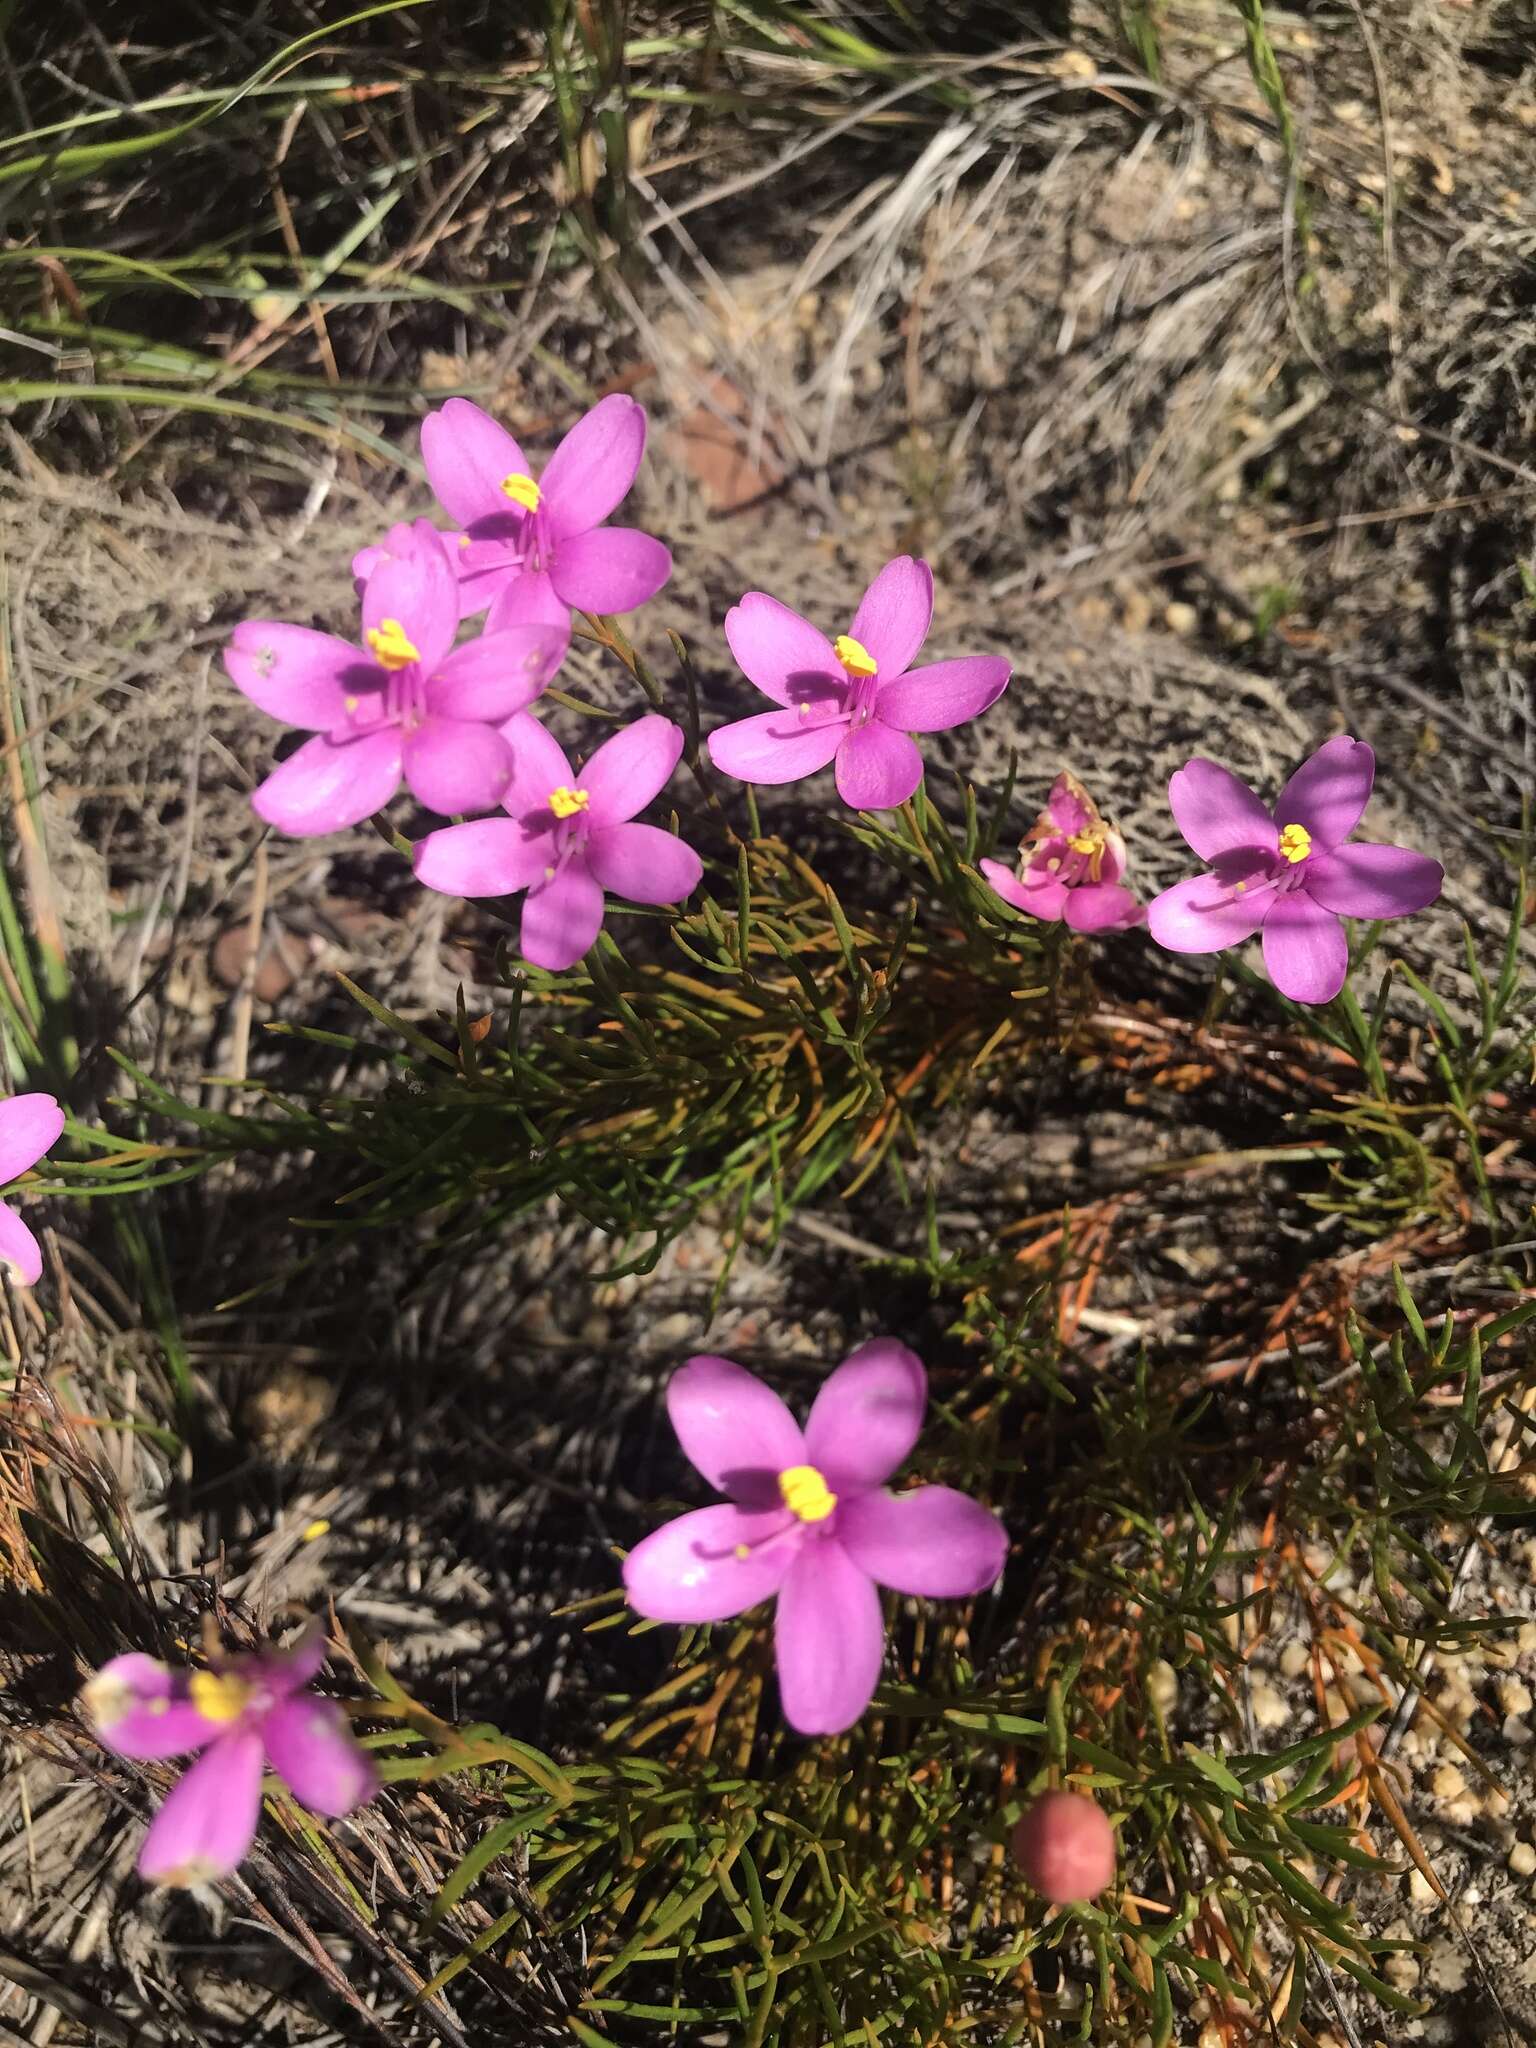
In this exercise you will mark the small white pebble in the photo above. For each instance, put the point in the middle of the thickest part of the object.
(1295, 1658)
(1270, 1707)
(1420, 1890)
(1448, 1782)
(1163, 1686)
(1517, 1733)
(1401, 1972)
(1522, 1860)
(1514, 1695)
(1446, 1967)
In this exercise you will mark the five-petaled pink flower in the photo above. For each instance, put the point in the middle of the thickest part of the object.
(809, 1518)
(567, 837)
(1291, 875)
(245, 1714)
(1072, 875)
(412, 703)
(855, 700)
(29, 1126)
(533, 549)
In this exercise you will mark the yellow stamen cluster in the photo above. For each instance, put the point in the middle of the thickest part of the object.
(1295, 843)
(391, 647)
(218, 1695)
(522, 490)
(806, 1494)
(565, 802)
(854, 655)
(1091, 842)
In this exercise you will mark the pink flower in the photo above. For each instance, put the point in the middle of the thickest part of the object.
(1290, 876)
(408, 702)
(29, 1126)
(244, 1714)
(855, 700)
(568, 837)
(810, 1520)
(1073, 874)
(533, 549)
(1066, 1848)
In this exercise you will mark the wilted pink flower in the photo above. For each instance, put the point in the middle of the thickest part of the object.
(244, 1715)
(29, 1126)
(567, 837)
(533, 549)
(1291, 875)
(408, 701)
(1073, 872)
(810, 1519)
(855, 700)
(1066, 1848)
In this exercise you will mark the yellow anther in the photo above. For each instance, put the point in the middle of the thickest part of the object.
(391, 648)
(1092, 843)
(218, 1695)
(743, 1551)
(854, 655)
(314, 1530)
(1295, 843)
(350, 703)
(806, 1494)
(566, 802)
(522, 490)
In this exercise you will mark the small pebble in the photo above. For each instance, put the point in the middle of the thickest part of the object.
(1522, 1860)
(1446, 1967)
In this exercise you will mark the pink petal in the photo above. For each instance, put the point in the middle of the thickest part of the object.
(644, 863)
(19, 1248)
(877, 768)
(1066, 807)
(775, 747)
(593, 467)
(488, 857)
(1046, 900)
(310, 1744)
(829, 1637)
(692, 1569)
(328, 785)
(1374, 881)
(526, 597)
(1066, 1848)
(490, 678)
(783, 654)
(540, 765)
(867, 1416)
(400, 540)
(734, 1429)
(485, 568)
(1102, 907)
(894, 615)
(30, 1125)
(610, 569)
(943, 694)
(1216, 812)
(295, 674)
(141, 1708)
(934, 1542)
(452, 765)
(562, 918)
(1329, 792)
(628, 770)
(1305, 950)
(1204, 915)
(207, 1822)
(466, 456)
(285, 1669)
(420, 590)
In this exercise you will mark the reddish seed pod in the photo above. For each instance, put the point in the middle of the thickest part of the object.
(1065, 1847)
